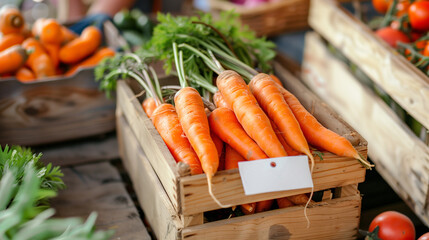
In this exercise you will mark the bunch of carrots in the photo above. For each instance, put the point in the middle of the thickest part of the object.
(247, 116)
(46, 49)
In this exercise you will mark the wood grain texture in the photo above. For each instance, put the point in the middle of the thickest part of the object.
(100, 148)
(400, 157)
(333, 219)
(407, 85)
(48, 111)
(228, 189)
(150, 141)
(98, 187)
(152, 197)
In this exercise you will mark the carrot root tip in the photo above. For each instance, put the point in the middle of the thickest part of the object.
(214, 197)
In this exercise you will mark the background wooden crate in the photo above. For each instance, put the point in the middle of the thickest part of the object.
(58, 108)
(400, 157)
(271, 18)
(188, 195)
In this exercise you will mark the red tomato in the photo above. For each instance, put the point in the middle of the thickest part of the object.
(381, 5)
(424, 236)
(402, 8)
(426, 50)
(393, 226)
(392, 36)
(419, 15)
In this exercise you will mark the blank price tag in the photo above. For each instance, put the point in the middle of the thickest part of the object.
(275, 174)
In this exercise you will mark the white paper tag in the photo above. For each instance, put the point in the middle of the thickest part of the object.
(275, 174)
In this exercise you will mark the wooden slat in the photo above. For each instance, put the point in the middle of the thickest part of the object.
(152, 197)
(98, 187)
(150, 141)
(397, 76)
(333, 219)
(400, 157)
(228, 189)
(48, 111)
(88, 150)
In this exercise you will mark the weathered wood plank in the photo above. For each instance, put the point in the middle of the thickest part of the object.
(228, 189)
(150, 141)
(333, 219)
(152, 197)
(397, 76)
(400, 157)
(100, 148)
(98, 187)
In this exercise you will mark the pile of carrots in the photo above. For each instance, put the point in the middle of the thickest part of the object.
(47, 49)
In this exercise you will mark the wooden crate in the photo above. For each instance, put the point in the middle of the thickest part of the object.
(269, 18)
(185, 198)
(400, 157)
(406, 84)
(56, 109)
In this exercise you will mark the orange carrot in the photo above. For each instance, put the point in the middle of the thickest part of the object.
(92, 60)
(68, 35)
(284, 202)
(53, 51)
(149, 105)
(190, 109)
(39, 61)
(232, 158)
(166, 121)
(12, 59)
(11, 20)
(11, 39)
(300, 199)
(290, 151)
(263, 206)
(218, 143)
(248, 208)
(219, 101)
(48, 31)
(276, 79)
(271, 100)
(25, 75)
(319, 136)
(225, 124)
(81, 47)
(253, 119)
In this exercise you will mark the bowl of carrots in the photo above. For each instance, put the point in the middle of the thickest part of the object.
(46, 49)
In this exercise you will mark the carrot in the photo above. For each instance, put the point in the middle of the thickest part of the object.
(219, 101)
(248, 208)
(225, 124)
(12, 59)
(11, 39)
(190, 109)
(11, 20)
(68, 35)
(166, 121)
(25, 75)
(53, 51)
(39, 61)
(218, 143)
(149, 105)
(48, 31)
(284, 202)
(271, 100)
(290, 151)
(276, 79)
(299, 199)
(319, 136)
(232, 158)
(81, 47)
(92, 60)
(253, 119)
(263, 206)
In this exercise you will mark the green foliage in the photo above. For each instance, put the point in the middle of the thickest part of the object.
(22, 219)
